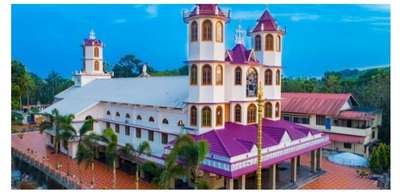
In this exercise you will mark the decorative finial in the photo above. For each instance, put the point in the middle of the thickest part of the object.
(216, 10)
(262, 26)
(92, 34)
(239, 35)
(144, 72)
(197, 9)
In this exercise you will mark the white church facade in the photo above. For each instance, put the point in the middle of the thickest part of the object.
(216, 102)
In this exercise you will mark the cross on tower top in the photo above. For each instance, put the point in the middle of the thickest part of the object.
(239, 35)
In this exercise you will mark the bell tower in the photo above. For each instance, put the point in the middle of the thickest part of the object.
(92, 61)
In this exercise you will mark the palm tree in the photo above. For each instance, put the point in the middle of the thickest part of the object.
(67, 133)
(110, 140)
(53, 121)
(190, 155)
(131, 153)
(87, 153)
(171, 171)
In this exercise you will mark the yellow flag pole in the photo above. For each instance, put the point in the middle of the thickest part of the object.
(260, 104)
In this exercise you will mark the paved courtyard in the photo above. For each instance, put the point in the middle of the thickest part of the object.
(33, 144)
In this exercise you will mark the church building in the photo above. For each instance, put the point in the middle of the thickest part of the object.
(216, 102)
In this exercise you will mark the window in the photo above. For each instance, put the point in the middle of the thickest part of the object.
(219, 31)
(238, 76)
(127, 115)
(165, 121)
(268, 110)
(207, 75)
(251, 85)
(96, 66)
(219, 115)
(51, 139)
(286, 117)
(251, 113)
(278, 77)
(108, 125)
(127, 131)
(219, 75)
(206, 117)
(164, 138)
(138, 132)
(373, 135)
(278, 43)
(151, 135)
(193, 31)
(180, 123)
(193, 75)
(320, 120)
(238, 113)
(117, 128)
(257, 43)
(269, 42)
(268, 77)
(347, 145)
(89, 118)
(108, 112)
(277, 110)
(138, 117)
(207, 31)
(96, 52)
(151, 119)
(193, 116)
(117, 114)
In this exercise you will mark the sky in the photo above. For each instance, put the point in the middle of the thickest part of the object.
(318, 38)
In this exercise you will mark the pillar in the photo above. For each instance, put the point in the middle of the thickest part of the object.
(293, 170)
(313, 161)
(242, 182)
(271, 178)
(230, 183)
(319, 156)
(298, 162)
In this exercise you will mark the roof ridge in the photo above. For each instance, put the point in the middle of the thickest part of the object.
(222, 143)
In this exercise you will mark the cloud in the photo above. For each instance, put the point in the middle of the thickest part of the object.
(120, 21)
(254, 15)
(152, 10)
(376, 7)
(246, 15)
(296, 17)
(380, 22)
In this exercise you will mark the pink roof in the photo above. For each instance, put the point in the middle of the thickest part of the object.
(357, 115)
(336, 137)
(92, 42)
(236, 139)
(240, 55)
(207, 10)
(268, 21)
(314, 103)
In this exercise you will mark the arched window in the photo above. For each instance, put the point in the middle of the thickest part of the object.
(268, 77)
(219, 115)
(257, 43)
(180, 123)
(238, 76)
(206, 75)
(207, 31)
(238, 113)
(277, 110)
(206, 117)
(219, 75)
(278, 77)
(193, 75)
(108, 112)
(193, 116)
(165, 121)
(268, 110)
(193, 31)
(151, 119)
(278, 43)
(127, 115)
(219, 31)
(251, 85)
(96, 66)
(117, 114)
(138, 117)
(269, 42)
(251, 113)
(96, 52)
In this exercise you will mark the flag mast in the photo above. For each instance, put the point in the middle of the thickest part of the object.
(260, 106)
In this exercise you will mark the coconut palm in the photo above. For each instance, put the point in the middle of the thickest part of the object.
(53, 121)
(67, 133)
(87, 153)
(134, 154)
(190, 154)
(171, 172)
(110, 139)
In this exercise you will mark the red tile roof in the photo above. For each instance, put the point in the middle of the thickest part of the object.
(240, 55)
(268, 21)
(336, 137)
(92, 42)
(314, 103)
(357, 115)
(207, 10)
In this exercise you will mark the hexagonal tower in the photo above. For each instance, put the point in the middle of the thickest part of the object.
(206, 60)
(92, 61)
(267, 39)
